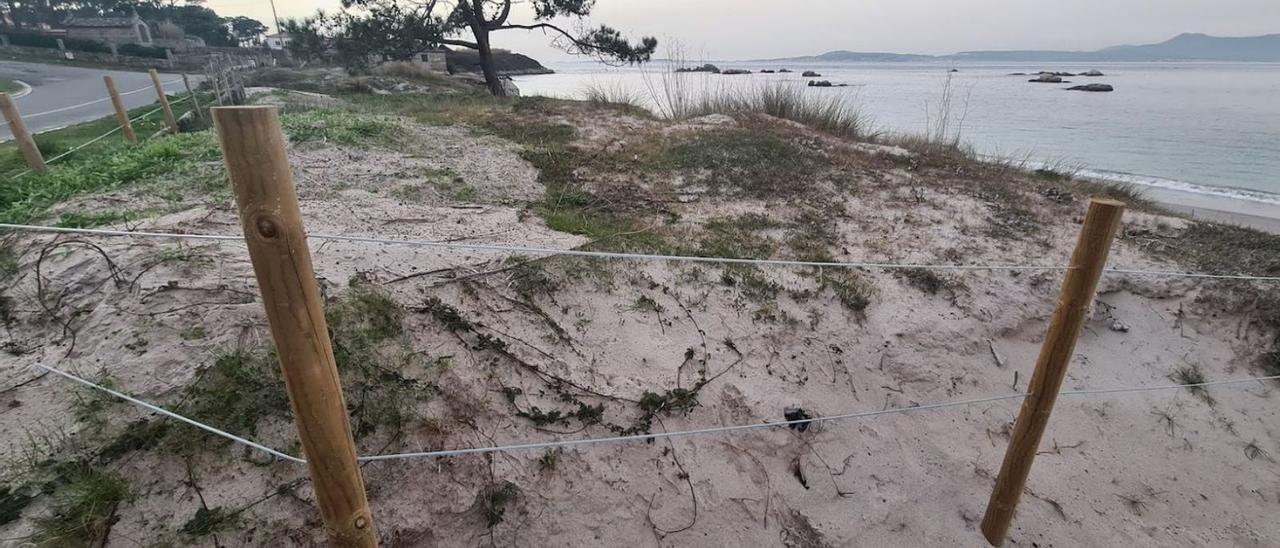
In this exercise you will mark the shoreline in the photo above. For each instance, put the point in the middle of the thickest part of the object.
(1222, 209)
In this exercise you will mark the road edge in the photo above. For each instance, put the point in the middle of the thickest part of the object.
(26, 90)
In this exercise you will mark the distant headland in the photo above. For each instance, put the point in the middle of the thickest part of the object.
(1183, 47)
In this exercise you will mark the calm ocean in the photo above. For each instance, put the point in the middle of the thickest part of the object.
(1197, 127)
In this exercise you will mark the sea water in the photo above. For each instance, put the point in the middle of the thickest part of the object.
(1209, 128)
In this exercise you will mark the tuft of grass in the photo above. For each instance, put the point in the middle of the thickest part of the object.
(1192, 374)
(88, 405)
(852, 289)
(494, 500)
(341, 127)
(12, 503)
(208, 520)
(83, 510)
(549, 460)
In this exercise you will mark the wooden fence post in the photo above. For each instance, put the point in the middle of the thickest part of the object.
(195, 101)
(21, 136)
(122, 115)
(169, 119)
(254, 148)
(1079, 287)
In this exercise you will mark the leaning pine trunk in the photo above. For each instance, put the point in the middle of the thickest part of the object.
(486, 61)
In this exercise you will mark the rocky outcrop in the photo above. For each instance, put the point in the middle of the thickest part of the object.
(1094, 72)
(735, 71)
(811, 74)
(820, 84)
(505, 62)
(704, 68)
(1047, 78)
(1092, 87)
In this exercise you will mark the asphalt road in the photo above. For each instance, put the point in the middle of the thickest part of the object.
(57, 87)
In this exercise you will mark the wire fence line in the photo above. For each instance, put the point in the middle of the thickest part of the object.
(556, 444)
(95, 101)
(543, 251)
(113, 131)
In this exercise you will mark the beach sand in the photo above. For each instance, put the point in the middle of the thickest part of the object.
(1259, 215)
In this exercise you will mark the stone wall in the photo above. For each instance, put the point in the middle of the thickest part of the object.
(192, 60)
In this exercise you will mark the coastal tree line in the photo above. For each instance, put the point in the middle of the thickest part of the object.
(370, 30)
(191, 17)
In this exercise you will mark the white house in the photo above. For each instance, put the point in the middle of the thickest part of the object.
(278, 41)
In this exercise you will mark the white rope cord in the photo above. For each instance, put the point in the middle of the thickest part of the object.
(632, 256)
(95, 101)
(173, 415)
(100, 137)
(644, 437)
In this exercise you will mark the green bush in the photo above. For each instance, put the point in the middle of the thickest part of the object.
(33, 40)
(142, 51)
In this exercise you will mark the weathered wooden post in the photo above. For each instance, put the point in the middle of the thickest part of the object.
(22, 136)
(1078, 289)
(254, 149)
(122, 115)
(169, 119)
(195, 101)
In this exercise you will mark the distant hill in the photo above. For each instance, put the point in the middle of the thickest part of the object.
(1183, 47)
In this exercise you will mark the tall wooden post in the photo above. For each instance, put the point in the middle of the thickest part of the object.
(169, 119)
(22, 136)
(254, 148)
(195, 101)
(122, 115)
(1078, 289)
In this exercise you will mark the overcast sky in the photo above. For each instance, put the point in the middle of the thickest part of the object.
(753, 29)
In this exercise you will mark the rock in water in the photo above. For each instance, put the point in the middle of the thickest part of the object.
(819, 84)
(735, 71)
(811, 74)
(1094, 72)
(1047, 78)
(1092, 87)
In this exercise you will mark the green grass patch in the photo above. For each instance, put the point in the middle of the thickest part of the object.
(341, 127)
(366, 326)
(758, 163)
(90, 220)
(25, 199)
(738, 237)
(55, 142)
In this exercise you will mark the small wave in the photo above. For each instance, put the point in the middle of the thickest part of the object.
(1183, 186)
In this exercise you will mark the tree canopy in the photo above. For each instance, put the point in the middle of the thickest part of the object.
(396, 29)
(190, 15)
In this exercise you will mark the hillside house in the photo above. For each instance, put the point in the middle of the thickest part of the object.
(278, 41)
(109, 30)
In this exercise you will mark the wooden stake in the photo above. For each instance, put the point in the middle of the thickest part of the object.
(122, 115)
(169, 119)
(254, 149)
(195, 101)
(21, 136)
(1078, 289)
